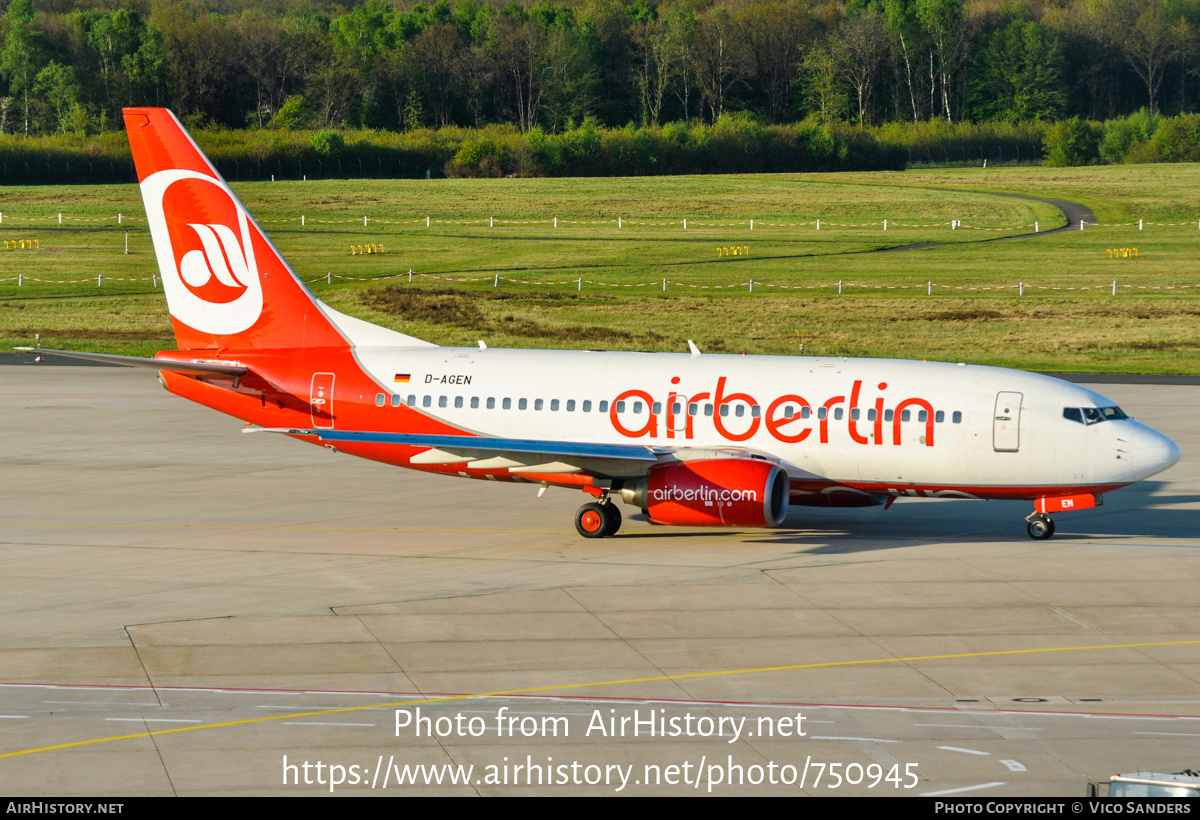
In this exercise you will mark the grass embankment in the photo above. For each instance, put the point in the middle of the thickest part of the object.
(1139, 330)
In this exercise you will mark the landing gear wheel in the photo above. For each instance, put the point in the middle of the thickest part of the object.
(612, 517)
(591, 521)
(1040, 527)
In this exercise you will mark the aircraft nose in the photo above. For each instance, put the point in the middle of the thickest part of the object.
(1152, 452)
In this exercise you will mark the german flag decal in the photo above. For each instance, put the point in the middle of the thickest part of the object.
(401, 378)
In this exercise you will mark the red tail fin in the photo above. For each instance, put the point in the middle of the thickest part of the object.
(226, 285)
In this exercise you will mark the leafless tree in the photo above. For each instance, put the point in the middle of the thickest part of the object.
(863, 45)
(718, 59)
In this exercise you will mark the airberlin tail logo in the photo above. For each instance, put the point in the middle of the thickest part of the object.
(202, 237)
(220, 258)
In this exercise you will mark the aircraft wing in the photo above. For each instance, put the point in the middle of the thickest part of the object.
(138, 361)
(487, 452)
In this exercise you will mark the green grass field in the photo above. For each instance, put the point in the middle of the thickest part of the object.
(884, 308)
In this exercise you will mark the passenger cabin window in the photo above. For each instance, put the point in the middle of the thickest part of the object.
(957, 417)
(458, 402)
(395, 400)
(537, 404)
(554, 405)
(522, 404)
(380, 400)
(507, 404)
(491, 403)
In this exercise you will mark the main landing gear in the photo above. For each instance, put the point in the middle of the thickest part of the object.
(1039, 526)
(598, 519)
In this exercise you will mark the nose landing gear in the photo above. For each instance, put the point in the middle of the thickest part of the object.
(598, 519)
(1039, 526)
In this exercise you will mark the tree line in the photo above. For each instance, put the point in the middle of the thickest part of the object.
(69, 66)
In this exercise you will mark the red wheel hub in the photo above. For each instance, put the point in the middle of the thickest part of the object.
(591, 521)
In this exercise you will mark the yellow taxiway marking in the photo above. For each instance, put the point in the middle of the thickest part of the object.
(289, 528)
(559, 687)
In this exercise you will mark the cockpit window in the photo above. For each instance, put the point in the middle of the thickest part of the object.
(1093, 415)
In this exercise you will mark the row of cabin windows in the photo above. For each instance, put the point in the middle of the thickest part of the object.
(738, 410)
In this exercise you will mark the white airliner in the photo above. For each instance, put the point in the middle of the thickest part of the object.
(691, 439)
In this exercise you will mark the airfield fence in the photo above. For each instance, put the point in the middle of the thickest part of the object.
(120, 219)
(842, 286)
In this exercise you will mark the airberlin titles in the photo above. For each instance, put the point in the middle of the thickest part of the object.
(789, 418)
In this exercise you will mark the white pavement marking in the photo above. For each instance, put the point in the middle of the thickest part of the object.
(1168, 734)
(102, 703)
(14, 717)
(981, 786)
(861, 739)
(965, 751)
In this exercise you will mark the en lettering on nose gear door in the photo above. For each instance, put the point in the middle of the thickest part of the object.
(321, 400)
(1006, 434)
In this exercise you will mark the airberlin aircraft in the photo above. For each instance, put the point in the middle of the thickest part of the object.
(691, 439)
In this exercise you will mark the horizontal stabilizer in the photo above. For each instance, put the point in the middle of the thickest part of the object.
(138, 361)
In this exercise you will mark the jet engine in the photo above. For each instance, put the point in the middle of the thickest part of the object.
(719, 492)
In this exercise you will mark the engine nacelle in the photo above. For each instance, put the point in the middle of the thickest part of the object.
(720, 492)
